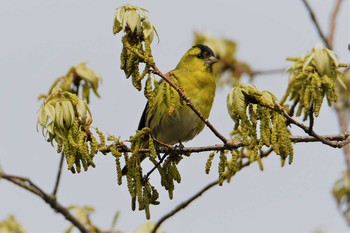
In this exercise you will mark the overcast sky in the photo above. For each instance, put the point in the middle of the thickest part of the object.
(40, 40)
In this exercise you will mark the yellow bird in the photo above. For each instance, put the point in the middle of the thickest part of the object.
(195, 75)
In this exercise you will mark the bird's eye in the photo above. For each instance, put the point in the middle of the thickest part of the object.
(202, 55)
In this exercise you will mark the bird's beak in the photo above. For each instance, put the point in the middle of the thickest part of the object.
(211, 60)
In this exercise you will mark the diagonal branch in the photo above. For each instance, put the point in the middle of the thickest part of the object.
(309, 131)
(49, 199)
(268, 72)
(340, 108)
(184, 204)
(340, 105)
(317, 25)
(332, 24)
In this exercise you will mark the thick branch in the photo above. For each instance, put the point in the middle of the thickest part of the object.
(51, 200)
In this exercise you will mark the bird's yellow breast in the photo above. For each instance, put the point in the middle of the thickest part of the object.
(182, 124)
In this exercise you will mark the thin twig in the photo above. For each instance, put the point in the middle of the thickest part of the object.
(317, 25)
(333, 20)
(189, 103)
(58, 177)
(49, 199)
(145, 178)
(292, 108)
(312, 133)
(311, 118)
(184, 204)
(267, 72)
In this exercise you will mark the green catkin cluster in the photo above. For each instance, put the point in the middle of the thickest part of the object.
(246, 127)
(209, 162)
(135, 51)
(232, 164)
(310, 89)
(222, 166)
(79, 148)
(117, 154)
(101, 137)
(150, 196)
(141, 191)
(254, 111)
(169, 173)
(148, 92)
(134, 177)
(312, 78)
(59, 148)
(170, 96)
(152, 147)
(280, 139)
(172, 102)
(146, 202)
(265, 130)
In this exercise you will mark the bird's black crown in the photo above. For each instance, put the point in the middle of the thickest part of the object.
(205, 51)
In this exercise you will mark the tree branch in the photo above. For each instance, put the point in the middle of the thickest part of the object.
(58, 177)
(309, 131)
(267, 72)
(340, 108)
(317, 25)
(343, 125)
(184, 204)
(332, 24)
(338, 140)
(311, 118)
(51, 200)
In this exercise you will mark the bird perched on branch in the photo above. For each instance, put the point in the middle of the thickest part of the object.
(168, 116)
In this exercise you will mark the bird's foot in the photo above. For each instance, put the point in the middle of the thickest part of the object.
(179, 146)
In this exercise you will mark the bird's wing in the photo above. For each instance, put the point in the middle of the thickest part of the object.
(142, 122)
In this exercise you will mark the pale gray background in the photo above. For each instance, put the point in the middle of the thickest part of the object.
(40, 40)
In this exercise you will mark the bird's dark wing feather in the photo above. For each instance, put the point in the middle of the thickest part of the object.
(142, 123)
